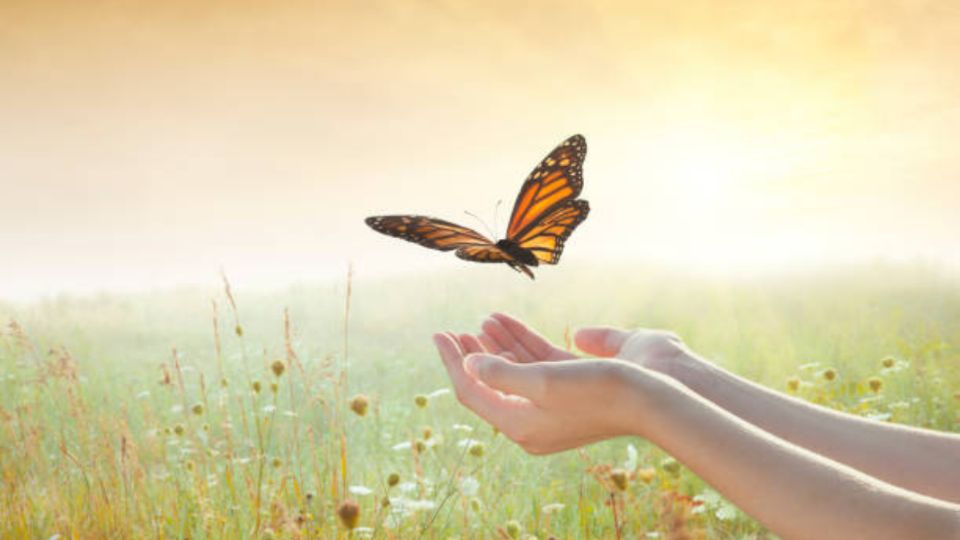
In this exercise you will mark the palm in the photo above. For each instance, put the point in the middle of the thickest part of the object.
(508, 337)
(505, 336)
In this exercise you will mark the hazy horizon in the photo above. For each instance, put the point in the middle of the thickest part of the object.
(148, 145)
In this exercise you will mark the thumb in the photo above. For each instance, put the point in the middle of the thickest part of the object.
(523, 380)
(601, 340)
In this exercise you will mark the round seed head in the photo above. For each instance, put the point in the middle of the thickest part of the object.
(393, 479)
(619, 478)
(349, 513)
(359, 404)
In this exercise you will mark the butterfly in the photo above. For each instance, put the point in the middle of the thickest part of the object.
(544, 215)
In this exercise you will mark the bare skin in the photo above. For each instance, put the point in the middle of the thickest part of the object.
(803, 471)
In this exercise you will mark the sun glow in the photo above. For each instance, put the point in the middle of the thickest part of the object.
(257, 139)
(702, 176)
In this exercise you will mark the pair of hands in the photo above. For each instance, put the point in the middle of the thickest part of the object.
(547, 399)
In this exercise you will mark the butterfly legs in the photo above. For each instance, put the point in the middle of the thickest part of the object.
(521, 268)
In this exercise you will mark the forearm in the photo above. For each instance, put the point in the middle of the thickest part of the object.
(919, 460)
(794, 492)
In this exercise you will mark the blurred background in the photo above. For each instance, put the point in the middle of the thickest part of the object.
(148, 144)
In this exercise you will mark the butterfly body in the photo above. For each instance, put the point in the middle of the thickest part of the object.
(544, 215)
(519, 254)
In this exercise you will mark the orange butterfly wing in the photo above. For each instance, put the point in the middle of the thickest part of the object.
(545, 238)
(556, 180)
(486, 254)
(441, 235)
(428, 232)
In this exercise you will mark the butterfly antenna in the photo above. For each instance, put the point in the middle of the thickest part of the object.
(482, 222)
(496, 214)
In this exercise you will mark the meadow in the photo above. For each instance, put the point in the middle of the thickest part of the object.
(322, 410)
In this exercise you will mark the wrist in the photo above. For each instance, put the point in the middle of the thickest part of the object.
(689, 370)
(648, 394)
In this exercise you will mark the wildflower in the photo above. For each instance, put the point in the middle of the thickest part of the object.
(223, 382)
(671, 466)
(385, 502)
(427, 432)
(513, 528)
(205, 427)
(419, 446)
(552, 508)
(476, 505)
(632, 458)
(420, 504)
(278, 367)
(256, 386)
(393, 479)
(875, 384)
(189, 465)
(359, 404)
(619, 479)
(197, 409)
(477, 449)
(360, 490)
(888, 362)
(179, 429)
(276, 462)
(829, 374)
(469, 486)
(646, 475)
(274, 387)
(793, 384)
(420, 400)
(238, 330)
(349, 513)
(438, 393)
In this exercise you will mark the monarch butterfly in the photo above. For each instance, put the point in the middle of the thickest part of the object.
(545, 213)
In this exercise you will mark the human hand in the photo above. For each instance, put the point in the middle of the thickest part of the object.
(653, 349)
(544, 406)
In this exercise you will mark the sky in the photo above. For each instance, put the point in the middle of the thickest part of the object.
(149, 144)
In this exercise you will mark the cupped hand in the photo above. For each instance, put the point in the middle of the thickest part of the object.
(544, 407)
(653, 349)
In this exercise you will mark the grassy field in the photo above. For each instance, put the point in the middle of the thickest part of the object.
(177, 414)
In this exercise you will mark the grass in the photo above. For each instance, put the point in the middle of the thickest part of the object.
(181, 414)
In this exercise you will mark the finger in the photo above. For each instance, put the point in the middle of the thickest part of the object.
(489, 404)
(470, 344)
(490, 344)
(509, 356)
(456, 342)
(601, 340)
(506, 341)
(518, 379)
(538, 345)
